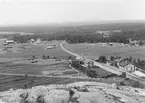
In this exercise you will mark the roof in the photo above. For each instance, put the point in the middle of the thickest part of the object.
(118, 60)
(110, 61)
(124, 63)
(77, 60)
(9, 41)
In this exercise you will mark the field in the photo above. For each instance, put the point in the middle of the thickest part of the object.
(95, 50)
(32, 50)
(19, 62)
(16, 82)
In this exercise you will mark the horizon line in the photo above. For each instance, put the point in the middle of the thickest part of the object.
(77, 23)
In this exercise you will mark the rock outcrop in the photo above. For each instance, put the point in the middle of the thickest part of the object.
(79, 92)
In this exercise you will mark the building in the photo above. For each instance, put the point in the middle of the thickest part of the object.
(6, 42)
(127, 66)
(76, 62)
(90, 64)
(51, 46)
(32, 41)
(38, 41)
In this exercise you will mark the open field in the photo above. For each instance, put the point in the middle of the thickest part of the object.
(20, 62)
(95, 50)
(35, 69)
(33, 50)
(16, 82)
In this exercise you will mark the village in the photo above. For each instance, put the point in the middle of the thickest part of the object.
(117, 62)
(12, 46)
(122, 65)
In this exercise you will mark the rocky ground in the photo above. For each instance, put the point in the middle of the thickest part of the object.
(79, 92)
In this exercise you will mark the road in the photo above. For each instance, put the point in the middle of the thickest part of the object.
(104, 66)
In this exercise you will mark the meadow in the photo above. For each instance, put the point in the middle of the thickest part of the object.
(95, 50)
(20, 62)
(16, 82)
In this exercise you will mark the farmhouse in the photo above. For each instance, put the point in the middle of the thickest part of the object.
(126, 66)
(32, 41)
(77, 62)
(6, 42)
(38, 41)
(51, 46)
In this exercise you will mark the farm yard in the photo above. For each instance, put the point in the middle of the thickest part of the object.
(94, 50)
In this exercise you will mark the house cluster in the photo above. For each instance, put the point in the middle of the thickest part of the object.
(133, 42)
(123, 65)
(37, 41)
(126, 66)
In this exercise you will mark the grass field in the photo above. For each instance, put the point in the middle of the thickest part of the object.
(20, 63)
(16, 82)
(36, 69)
(95, 50)
(36, 50)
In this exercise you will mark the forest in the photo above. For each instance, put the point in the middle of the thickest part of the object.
(83, 33)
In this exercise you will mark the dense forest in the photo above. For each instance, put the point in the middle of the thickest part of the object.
(85, 33)
(89, 37)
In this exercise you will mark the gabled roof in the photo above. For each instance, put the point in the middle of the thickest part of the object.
(9, 41)
(124, 63)
(110, 61)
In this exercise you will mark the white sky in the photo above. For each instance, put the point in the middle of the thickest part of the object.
(14, 12)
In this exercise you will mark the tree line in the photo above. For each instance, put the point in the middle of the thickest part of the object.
(72, 38)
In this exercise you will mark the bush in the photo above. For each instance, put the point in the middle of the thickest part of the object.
(40, 99)
(102, 59)
(133, 83)
(24, 98)
(137, 85)
(122, 83)
(123, 75)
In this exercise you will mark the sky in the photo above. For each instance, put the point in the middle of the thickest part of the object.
(20, 12)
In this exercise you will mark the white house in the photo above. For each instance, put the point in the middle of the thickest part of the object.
(6, 42)
(32, 41)
(38, 41)
(51, 46)
(127, 66)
